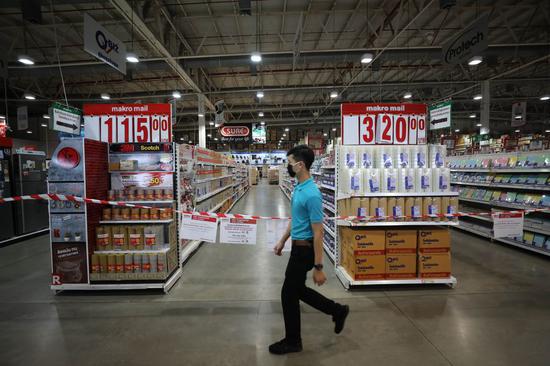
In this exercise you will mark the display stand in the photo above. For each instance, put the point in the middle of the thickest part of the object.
(500, 182)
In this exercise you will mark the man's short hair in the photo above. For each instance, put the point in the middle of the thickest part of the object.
(302, 153)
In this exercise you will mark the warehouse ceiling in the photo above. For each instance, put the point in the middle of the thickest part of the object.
(309, 49)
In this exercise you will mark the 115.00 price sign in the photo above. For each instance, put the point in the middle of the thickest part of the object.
(383, 123)
(127, 123)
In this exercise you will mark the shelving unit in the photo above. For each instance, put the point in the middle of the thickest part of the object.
(136, 221)
(494, 169)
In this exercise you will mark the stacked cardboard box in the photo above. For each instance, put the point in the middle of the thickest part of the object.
(363, 253)
(368, 254)
(401, 254)
(434, 253)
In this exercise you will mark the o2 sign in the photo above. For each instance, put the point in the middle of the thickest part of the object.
(387, 124)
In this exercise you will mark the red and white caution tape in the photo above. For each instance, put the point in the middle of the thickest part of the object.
(61, 197)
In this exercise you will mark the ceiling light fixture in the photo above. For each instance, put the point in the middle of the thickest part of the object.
(547, 131)
(211, 123)
(176, 94)
(2, 116)
(259, 94)
(25, 60)
(105, 96)
(287, 129)
(478, 97)
(479, 125)
(476, 60)
(334, 129)
(333, 94)
(516, 131)
(46, 116)
(325, 134)
(472, 116)
(201, 115)
(260, 114)
(457, 130)
(209, 135)
(545, 97)
(518, 116)
(190, 141)
(366, 58)
(132, 57)
(262, 123)
(181, 138)
(29, 131)
(44, 125)
(215, 139)
(29, 96)
(284, 134)
(407, 95)
(256, 57)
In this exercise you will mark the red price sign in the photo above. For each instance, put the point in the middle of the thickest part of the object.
(127, 123)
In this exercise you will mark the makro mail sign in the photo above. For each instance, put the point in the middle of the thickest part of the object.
(472, 41)
(102, 44)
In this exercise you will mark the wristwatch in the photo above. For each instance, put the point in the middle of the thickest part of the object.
(318, 267)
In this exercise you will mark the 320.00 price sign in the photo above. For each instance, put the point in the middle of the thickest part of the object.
(397, 124)
(126, 123)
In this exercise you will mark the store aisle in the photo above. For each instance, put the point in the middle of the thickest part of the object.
(225, 310)
(243, 272)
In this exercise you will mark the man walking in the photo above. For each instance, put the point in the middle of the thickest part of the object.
(306, 230)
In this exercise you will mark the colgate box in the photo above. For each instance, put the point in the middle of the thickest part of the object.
(434, 241)
(363, 241)
(434, 265)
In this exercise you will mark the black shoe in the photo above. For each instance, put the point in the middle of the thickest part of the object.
(283, 347)
(340, 319)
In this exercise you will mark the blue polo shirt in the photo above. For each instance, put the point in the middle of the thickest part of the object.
(306, 208)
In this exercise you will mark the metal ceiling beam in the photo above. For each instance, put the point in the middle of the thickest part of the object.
(125, 9)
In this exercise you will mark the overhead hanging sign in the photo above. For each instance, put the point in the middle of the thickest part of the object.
(236, 133)
(440, 116)
(507, 224)
(100, 43)
(519, 114)
(472, 41)
(383, 123)
(65, 119)
(128, 122)
(22, 118)
(219, 111)
(259, 135)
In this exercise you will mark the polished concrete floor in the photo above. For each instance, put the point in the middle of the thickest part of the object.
(225, 310)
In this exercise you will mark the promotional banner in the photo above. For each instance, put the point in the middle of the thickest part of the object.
(519, 114)
(383, 123)
(101, 44)
(122, 180)
(195, 227)
(128, 122)
(22, 118)
(236, 133)
(259, 135)
(440, 116)
(238, 231)
(65, 119)
(507, 224)
(472, 41)
(69, 263)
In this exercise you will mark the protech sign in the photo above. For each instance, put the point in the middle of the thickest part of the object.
(472, 41)
(102, 44)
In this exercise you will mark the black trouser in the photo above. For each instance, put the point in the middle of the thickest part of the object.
(294, 289)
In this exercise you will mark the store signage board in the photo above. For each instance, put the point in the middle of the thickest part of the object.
(519, 114)
(440, 116)
(22, 118)
(65, 119)
(129, 123)
(508, 225)
(103, 45)
(383, 123)
(219, 112)
(259, 135)
(275, 229)
(472, 41)
(236, 133)
(202, 228)
(238, 231)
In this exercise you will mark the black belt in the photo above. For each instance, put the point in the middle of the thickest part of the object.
(303, 243)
